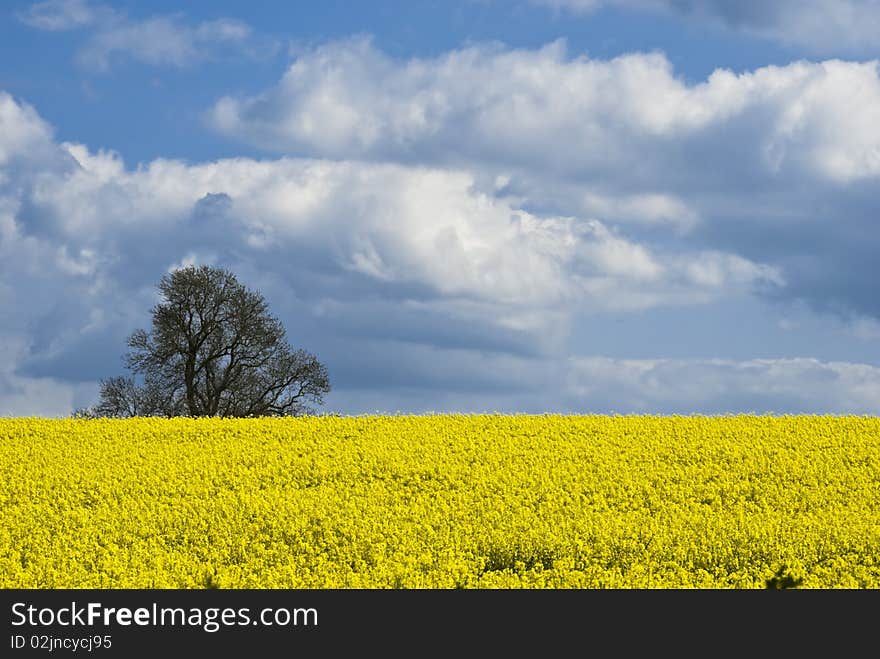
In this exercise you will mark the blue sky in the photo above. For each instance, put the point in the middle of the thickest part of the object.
(631, 206)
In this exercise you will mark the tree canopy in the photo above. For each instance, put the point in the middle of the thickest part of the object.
(213, 350)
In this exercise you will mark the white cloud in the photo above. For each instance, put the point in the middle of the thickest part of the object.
(59, 15)
(720, 386)
(42, 397)
(162, 40)
(464, 380)
(643, 208)
(223, 29)
(159, 40)
(762, 164)
(24, 136)
(846, 26)
(574, 116)
(394, 225)
(866, 329)
(37, 396)
(85, 239)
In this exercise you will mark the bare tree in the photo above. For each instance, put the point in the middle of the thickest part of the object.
(122, 397)
(213, 350)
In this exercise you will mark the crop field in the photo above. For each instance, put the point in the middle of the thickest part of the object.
(441, 501)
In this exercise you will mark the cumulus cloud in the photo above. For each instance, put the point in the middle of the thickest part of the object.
(765, 164)
(160, 40)
(574, 115)
(843, 26)
(488, 382)
(37, 396)
(422, 230)
(25, 139)
(453, 266)
(719, 386)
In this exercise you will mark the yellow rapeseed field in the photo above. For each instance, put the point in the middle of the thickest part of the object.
(441, 501)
